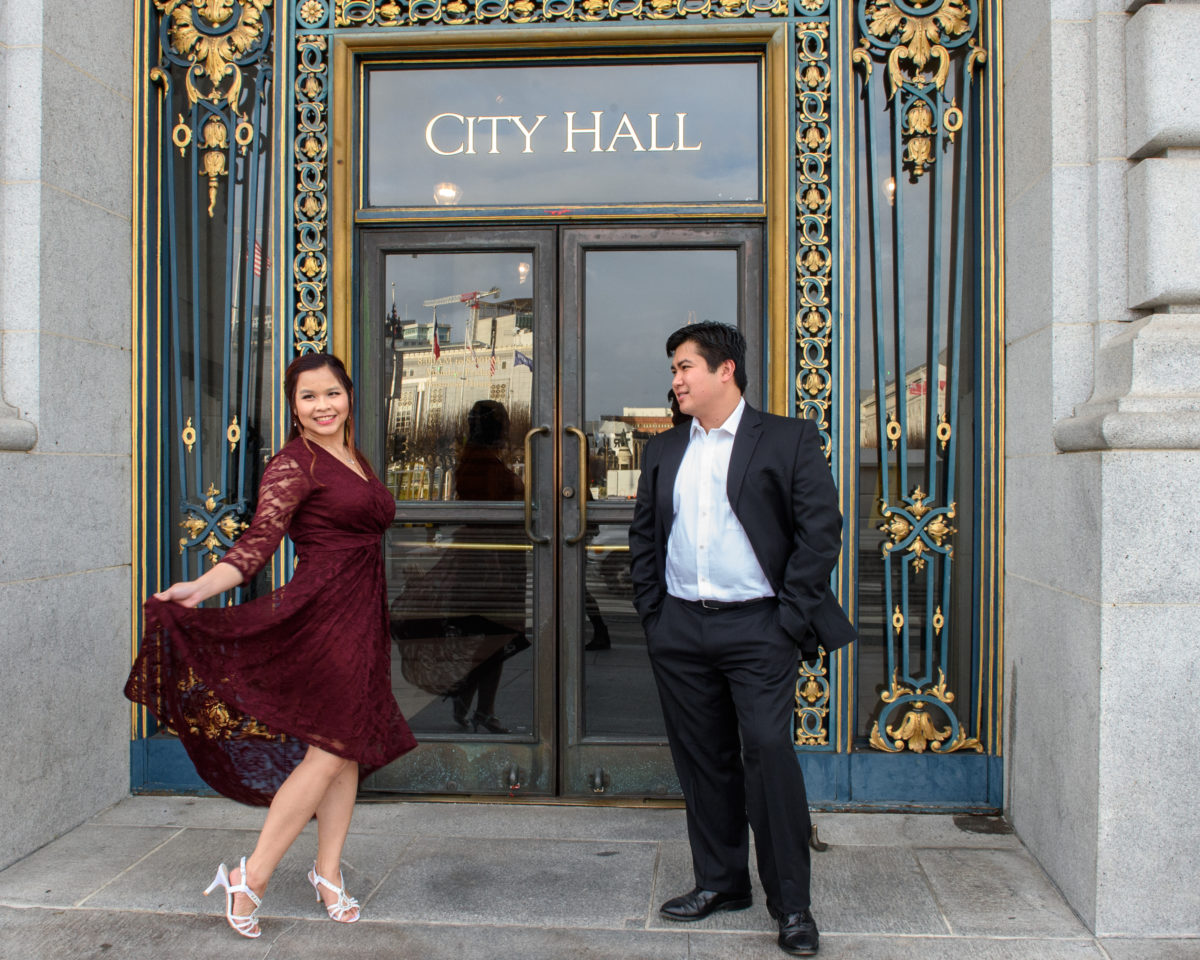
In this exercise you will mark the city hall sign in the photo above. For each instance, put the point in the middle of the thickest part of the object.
(510, 133)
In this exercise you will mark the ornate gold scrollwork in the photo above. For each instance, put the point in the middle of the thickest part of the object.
(916, 730)
(181, 135)
(944, 430)
(360, 13)
(814, 261)
(309, 269)
(214, 56)
(202, 36)
(812, 702)
(918, 39)
(931, 532)
(233, 434)
(188, 436)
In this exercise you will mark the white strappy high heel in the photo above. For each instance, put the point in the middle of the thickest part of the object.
(246, 925)
(337, 911)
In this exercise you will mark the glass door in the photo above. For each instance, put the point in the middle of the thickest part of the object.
(624, 292)
(458, 366)
(509, 381)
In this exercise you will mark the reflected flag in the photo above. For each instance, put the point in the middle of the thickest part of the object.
(492, 370)
(261, 260)
(521, 360)
(437, 347)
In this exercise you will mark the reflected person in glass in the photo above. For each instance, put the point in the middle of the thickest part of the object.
(497, 575)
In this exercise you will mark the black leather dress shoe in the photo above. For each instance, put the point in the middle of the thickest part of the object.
(798, 933)
(698, 904)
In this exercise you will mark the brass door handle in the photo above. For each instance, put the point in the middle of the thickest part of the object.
(571, 541)
(533, 538)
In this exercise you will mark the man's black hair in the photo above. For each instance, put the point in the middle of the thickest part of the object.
(716, 343)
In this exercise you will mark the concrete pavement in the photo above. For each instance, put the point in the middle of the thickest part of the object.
(475, 881)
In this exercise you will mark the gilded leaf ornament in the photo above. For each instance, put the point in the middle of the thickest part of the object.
(917, 730)
(918, 38)
(213, 52)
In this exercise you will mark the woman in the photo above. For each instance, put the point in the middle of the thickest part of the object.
(287, 700)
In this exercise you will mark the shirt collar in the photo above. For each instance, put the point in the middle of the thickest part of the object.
(729, 426)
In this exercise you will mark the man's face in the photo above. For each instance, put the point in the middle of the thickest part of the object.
(702, 393)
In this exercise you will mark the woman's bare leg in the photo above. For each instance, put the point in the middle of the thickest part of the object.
(293, 806)
(333, 824)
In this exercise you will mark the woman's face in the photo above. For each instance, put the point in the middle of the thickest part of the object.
(322, 404)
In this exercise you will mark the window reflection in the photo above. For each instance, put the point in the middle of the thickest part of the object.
(459, 331)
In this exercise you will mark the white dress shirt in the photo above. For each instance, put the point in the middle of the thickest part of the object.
(709, 556)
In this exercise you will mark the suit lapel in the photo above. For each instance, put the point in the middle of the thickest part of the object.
(744, 442)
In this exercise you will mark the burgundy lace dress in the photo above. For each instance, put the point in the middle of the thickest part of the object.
(247, 688)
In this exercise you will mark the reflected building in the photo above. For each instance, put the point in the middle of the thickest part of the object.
(618, 442)
(433, 381)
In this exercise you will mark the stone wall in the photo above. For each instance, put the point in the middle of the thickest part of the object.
(1103, 453)
(65, 407)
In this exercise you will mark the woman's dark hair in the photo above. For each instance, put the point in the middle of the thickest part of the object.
(716, 343)
(487, 423)
(291, 381)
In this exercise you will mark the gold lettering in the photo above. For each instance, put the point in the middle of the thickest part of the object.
(493, 121)
(471, 134)
(699, 144)
(528, 133)
(429, 134)
(626, 126)
(654, 147)
(594, 131)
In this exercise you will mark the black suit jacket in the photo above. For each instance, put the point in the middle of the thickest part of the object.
(781, 491)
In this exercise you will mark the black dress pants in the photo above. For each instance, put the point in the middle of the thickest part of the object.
(727, 681)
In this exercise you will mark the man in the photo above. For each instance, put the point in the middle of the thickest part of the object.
(734, 536)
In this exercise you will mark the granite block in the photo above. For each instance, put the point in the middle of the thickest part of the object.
(454, 942)
(1148, 828)
(1029, 391)
(1052, 710)
(836, 946)
(843, 879)
(20, 365)
(72, 417)
(80, 154)
(1150, 563)
(1053, 522)
(1029, 266)
(77, 528)
(1073, 367)
(1162, 79)
(907, 830)
(1025, 23)
(23, 66)
(107, 27)
(516, 822)
(77, 254)
(1145, 949)
(64, 655)
(1164, 232)
(173, 877)
(1073, 227)
(997, 893)
(93, 934)
(77, 865)
(1072, 92)
(1028, 117)
(576, 883)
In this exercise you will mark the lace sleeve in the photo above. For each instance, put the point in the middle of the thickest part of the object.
(285, 485)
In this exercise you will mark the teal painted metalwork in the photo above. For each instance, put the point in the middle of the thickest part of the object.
(926, 124)
(216, 80)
